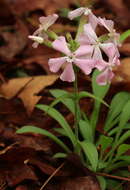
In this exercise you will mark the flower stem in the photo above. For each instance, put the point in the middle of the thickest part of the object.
(76, 121)
(83, 20)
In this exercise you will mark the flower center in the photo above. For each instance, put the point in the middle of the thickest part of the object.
(70, 59)
(87, 12)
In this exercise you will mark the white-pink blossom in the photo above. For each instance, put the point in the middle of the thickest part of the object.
(109, 25)
(106, 74)
(84, 11)
(81, 58)
(40, 35)
(90, 38)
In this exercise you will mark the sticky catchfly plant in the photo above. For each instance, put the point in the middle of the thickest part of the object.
(96, 56)
(84, 11)
(81, 58)
(40, 34)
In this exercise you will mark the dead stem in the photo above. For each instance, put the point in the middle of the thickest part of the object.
(112, 176)
(52, 175)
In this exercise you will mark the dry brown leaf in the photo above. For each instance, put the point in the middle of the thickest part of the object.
(120, 8)
(26, 89)
(49, 6)
(80, 183)
(123, 71)
(14, 42)
(125, 49)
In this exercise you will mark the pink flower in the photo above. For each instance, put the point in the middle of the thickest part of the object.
(40, 35)
(109, 25)
(84, 11)
(80, 58)
(91, 38)
(106, 67)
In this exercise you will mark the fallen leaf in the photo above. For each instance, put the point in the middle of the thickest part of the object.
(125, 49)
(80, 183)
(121, 10)
(23, 6)
(27, 89)
(122, 72)
(14, 39)
(19, 173)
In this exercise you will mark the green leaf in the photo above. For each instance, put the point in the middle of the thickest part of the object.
(68, 102)
(124, 35)
(60, 155)
(85, 94)
(124, 117)
(124, 137)
(115, 130)
(86, 131)
(61, 99)
(61, 131)
(102, 182)
(122, 149)
(61, 120)
(123, 173)
(98, 90)
(116, 106)
(105, 142)
(125, 158)
(90, 153)
(33, 129)
(114, 184)
(115, 166)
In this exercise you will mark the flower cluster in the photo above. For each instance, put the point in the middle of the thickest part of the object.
(90, 50)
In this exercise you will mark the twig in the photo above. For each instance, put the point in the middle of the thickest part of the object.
(53, 174)
(112, 176)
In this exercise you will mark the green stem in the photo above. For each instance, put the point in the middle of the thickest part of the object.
(76, 103)
(94, 117)
(83, 20)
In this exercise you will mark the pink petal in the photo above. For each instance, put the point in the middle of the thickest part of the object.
(105, 77)
(68, 74)
(48, 21)
(93, 20)
(114, 61)
(101, 65)
(97, 55)
(110, 49)
(76, 13)
(82, 39)
(108, 24)
(86, 65)
(90, 33)
(35, 44)
(60, 45)
(56, 63)
(84, 50)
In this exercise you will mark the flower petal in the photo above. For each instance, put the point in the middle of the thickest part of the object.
(90, 33)
(105, 77)
(76, 13)
(68, 73)
(108, 24)
(110, 49)
(60, 45)
(84, 50)
(56, 63)
(97, 55)
(101, 65)
(93, 20)
(82, 39)
(46, 22)
(86, 65)
(35, 44)
(37, 39)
